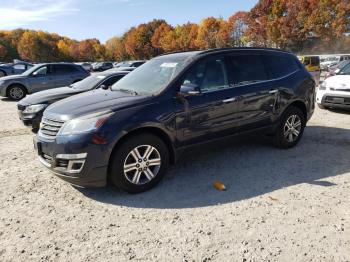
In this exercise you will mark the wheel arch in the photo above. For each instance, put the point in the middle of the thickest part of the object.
(157, 131)
(16, 84)
(301, 105)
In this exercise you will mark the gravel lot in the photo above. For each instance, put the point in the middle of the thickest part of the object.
(279, 205)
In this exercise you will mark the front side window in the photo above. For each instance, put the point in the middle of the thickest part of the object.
(208, 75)
(247, 68)
(42, 71)
(110, 81)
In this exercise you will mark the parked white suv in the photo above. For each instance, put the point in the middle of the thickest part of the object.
(334, 92)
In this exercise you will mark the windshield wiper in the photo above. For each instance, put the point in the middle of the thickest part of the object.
(128, 91)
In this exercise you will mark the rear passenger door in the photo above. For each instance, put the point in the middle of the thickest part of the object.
(64, 75)
(256, 93)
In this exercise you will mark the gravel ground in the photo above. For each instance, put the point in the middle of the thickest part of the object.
(279, 205)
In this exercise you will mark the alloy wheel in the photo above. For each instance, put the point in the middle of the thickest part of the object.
(142, 164)
(16, 93)
(292, 128)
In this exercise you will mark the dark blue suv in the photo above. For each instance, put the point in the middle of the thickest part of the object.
(128, 135)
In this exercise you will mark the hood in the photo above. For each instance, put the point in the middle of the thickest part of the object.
(338, 82)
(91, 102)
(49, 96)
(12, 77)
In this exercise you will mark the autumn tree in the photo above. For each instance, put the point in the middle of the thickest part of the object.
(115, 49)
(237, 27)
(213, 33)
(138, 40)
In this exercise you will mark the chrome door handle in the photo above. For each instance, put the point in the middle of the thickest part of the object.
(275, 91)
(229, 100)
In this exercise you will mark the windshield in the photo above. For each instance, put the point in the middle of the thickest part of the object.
(31, 70)
(152, 77)
(89, 82)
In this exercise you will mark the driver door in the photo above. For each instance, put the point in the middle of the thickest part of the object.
(212, 113)
(41, 79)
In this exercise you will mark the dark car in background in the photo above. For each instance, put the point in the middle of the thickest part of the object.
(31, 108)
(128, 135)
(129, 64)
(100, 67)
(41, 77)
(14, 68)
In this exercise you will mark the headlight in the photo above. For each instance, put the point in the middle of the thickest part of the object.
(34, 108)
(85, 124)
(323, 86)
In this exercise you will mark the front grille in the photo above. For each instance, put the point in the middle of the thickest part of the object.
(49, 128)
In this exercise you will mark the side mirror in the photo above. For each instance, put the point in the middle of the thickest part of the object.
(190, 90)
(104, 87)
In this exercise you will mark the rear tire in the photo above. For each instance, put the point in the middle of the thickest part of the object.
(16, 92)
(290, 129)
(139, 163)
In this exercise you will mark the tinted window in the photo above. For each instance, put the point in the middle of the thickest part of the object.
(281, 65)
(64, 69)
(110, 81)
(315, 61)
(209, 75)
(247, 68)
(137, 64)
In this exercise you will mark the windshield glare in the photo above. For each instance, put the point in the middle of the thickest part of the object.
(88, 83)
(152, 77)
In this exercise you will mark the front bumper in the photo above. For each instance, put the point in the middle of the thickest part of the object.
(74, 160)
(334, 99)
(3, 90)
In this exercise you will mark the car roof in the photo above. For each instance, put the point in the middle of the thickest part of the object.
(221, 50)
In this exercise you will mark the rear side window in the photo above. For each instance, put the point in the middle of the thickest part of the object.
(247, 68)
(64, 69)
(280, 65)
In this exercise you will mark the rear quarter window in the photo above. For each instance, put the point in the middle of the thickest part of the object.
(280, 65)
(247, 68)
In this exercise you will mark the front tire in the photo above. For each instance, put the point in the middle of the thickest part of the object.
(290, 129)
(16, 92)
(139, 163)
